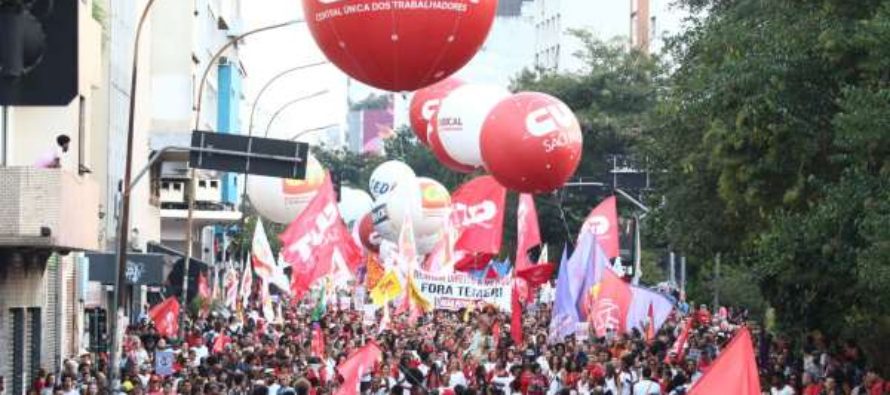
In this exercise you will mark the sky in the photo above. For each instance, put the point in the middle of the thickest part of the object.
(269, 53)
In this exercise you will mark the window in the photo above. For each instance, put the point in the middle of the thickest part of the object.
(214, 184)
(165, 186)
(177, 186)
(81, 135)
(202, 184)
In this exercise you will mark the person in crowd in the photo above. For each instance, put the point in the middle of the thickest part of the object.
(52, 158)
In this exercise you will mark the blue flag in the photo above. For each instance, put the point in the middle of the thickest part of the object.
(564, 317)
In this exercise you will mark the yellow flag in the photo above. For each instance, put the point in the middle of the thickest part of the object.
(416, 297)
(387, 289)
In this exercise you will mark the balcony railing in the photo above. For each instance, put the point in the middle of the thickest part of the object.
(48, 209)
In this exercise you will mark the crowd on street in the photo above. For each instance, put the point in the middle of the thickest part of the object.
(464, 352)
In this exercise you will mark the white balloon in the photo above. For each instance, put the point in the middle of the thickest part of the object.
(460, 120)
(383, 225)
(354, 203)
(281, 200)
(426, 244)
(387, 176)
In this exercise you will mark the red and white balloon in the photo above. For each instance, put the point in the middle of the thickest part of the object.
(531, 143)
(435, 144)
(460, 119)
(425, 105)
(399, 45)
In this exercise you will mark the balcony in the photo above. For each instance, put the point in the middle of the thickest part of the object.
(48, 209)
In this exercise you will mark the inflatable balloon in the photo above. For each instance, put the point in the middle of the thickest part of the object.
(425, 104)
(387, 176)
(426, 244)
(531, 143)
(460, 118)
(435, 144)
(368, 235)
(399, 45)
(281, 200)
(385, 228)
(354, 203)
(428, 214)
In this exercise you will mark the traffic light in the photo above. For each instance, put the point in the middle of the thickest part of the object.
(38, 52)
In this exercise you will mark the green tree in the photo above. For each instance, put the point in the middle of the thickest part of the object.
(772, 137)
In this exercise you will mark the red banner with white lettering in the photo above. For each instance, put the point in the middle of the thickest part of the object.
(479, 215)
(611, 299)
(166, 317)
(315, 239)
(603, 223)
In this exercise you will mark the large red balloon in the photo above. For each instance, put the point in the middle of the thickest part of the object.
(531, 143)
(425, 104)
(399, 45)
(440, 153)
(369, 237)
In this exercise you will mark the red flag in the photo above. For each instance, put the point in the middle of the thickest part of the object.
(317, 343)
(734, 372)
(527, 233)
(479, 215)
(516, 315)
(603, 223)
(469, 262)
(496, 334)
(166, 317)
(361, 361)
(315, 239)
(650, 328)
(203, 287)
(220, 343)
(610, 301)
(679, 347)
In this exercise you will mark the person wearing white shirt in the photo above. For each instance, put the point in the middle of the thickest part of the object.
(646, 386)
(456, 375)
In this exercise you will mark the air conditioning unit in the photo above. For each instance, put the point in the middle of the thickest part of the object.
(208, 190)
(175, 170)
(172, 191)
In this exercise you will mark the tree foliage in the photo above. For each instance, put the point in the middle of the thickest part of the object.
(773, 136)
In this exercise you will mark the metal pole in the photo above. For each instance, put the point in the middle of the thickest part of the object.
(683, 273)
(310, 130)
(191, 198)
(124, 223)
(288, 104)
(638, 252)
(716, 282)
(672, 274)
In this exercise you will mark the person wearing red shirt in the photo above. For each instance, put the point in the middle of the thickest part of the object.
(874, 383)
(703, 316)
(811, 385)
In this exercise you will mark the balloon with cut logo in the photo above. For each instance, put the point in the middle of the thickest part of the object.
(460, 118)
(425, 104)
(438, 151)
(399, 45)
(367, 234)
(281, 200)
(531, 143)
(387, 176)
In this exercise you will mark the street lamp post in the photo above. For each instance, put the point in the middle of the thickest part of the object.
(200, 95)
(124, 219)
(269, 84)
(285, 106)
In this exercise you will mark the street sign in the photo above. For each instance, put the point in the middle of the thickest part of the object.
(142, 269)
(39, 53)
(251, 155)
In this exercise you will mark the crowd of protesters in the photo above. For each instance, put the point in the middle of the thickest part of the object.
(450, 353)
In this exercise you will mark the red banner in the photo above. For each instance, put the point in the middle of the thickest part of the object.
(611, 299)
(603, 223)
(479, 215)
(527, 233)
(315, 239)
(165, 317)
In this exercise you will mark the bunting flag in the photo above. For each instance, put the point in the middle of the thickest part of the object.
(316, 240)
(231, 281)
(602, 222)
(317, 343)
(678, 350)
(165, 317)
(564, 316)
(360, 362)
(478, 218)
(650, 324)
(387, 289)
(609, 303)
(374, 272)
(203, 286)
(246, 286)
(516, 315)
(220, 342)
(734, 372)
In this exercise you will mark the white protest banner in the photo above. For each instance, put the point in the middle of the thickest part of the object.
(164, 362)
(459, 290)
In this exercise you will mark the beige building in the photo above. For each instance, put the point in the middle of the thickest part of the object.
(48, 218)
